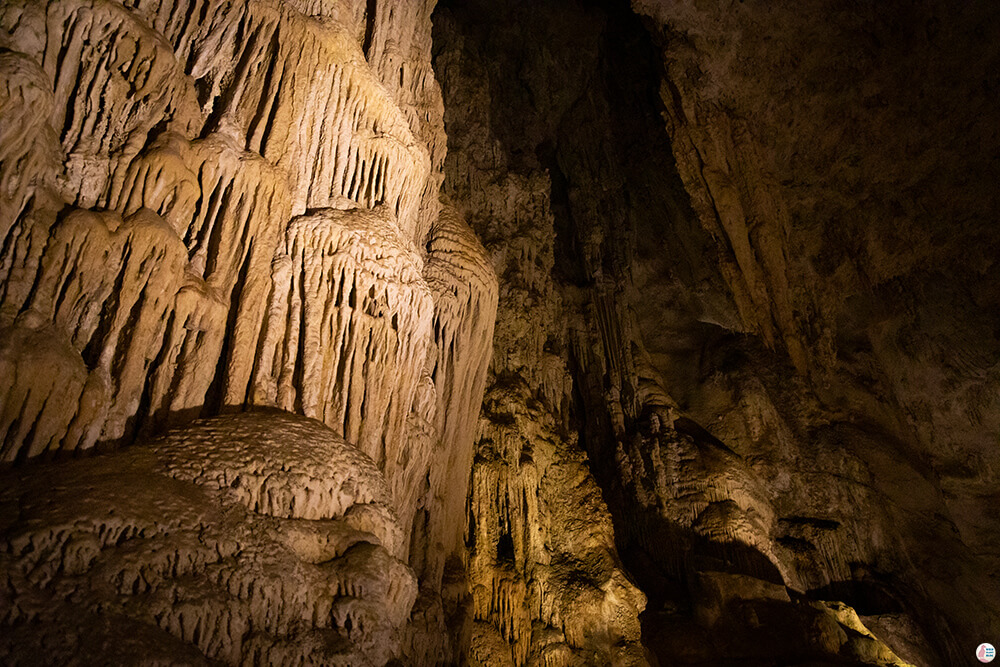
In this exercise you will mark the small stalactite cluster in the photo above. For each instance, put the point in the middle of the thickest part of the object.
(545, 580)
(347, 329)
(399, 53)
(226, 128)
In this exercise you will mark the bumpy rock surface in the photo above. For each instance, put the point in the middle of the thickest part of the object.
(759, 346)
(210, 205)
(259, 538)
(547, 586)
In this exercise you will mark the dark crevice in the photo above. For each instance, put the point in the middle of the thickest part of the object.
(215, 397)
(267, 107)
(370, 15)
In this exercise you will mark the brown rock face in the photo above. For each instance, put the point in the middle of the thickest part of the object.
(761, 366)
(525, 333)
(844, 161)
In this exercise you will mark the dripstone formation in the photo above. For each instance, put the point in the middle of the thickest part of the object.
(550, 333)
(216, 207)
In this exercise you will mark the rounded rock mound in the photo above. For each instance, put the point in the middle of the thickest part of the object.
(276, 463)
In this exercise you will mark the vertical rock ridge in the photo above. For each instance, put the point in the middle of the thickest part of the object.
(290, 117)
(461, 277)
(349, 321)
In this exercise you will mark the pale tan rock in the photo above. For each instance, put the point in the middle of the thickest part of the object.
(215, 145)
(347, 330)
(41, 376)
(862, 644)
(173, 543)
(119, 336)
(291, 117)
(462, 280)
(108, 55)
(231, 235)
(321, 116)
(399, 52)
(29, 149)
(207, 205)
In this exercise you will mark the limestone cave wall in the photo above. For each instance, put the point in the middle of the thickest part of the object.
(212, 208)
(753, 262)
(428, 332)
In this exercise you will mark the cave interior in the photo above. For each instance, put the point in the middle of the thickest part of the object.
(526, 333)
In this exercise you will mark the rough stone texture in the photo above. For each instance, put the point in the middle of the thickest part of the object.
(843, 160)
(465, 299)
(209, 205)
(214, 133)
(258, 538)
(773, 421)
(348, 324)
(547, 586)
(734, 265)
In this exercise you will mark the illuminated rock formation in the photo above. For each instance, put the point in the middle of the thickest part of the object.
(208, 206)
(224, 129)
(679, 347)
(262, 538)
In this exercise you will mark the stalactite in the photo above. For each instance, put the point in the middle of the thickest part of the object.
(101, 53)
(227, 203)
(465, 292)
(29, 148)
(211, 138)
(348, 326)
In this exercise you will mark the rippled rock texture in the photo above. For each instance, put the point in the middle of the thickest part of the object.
(202, 140)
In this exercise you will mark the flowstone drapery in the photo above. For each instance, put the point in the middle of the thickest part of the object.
(210, 207)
